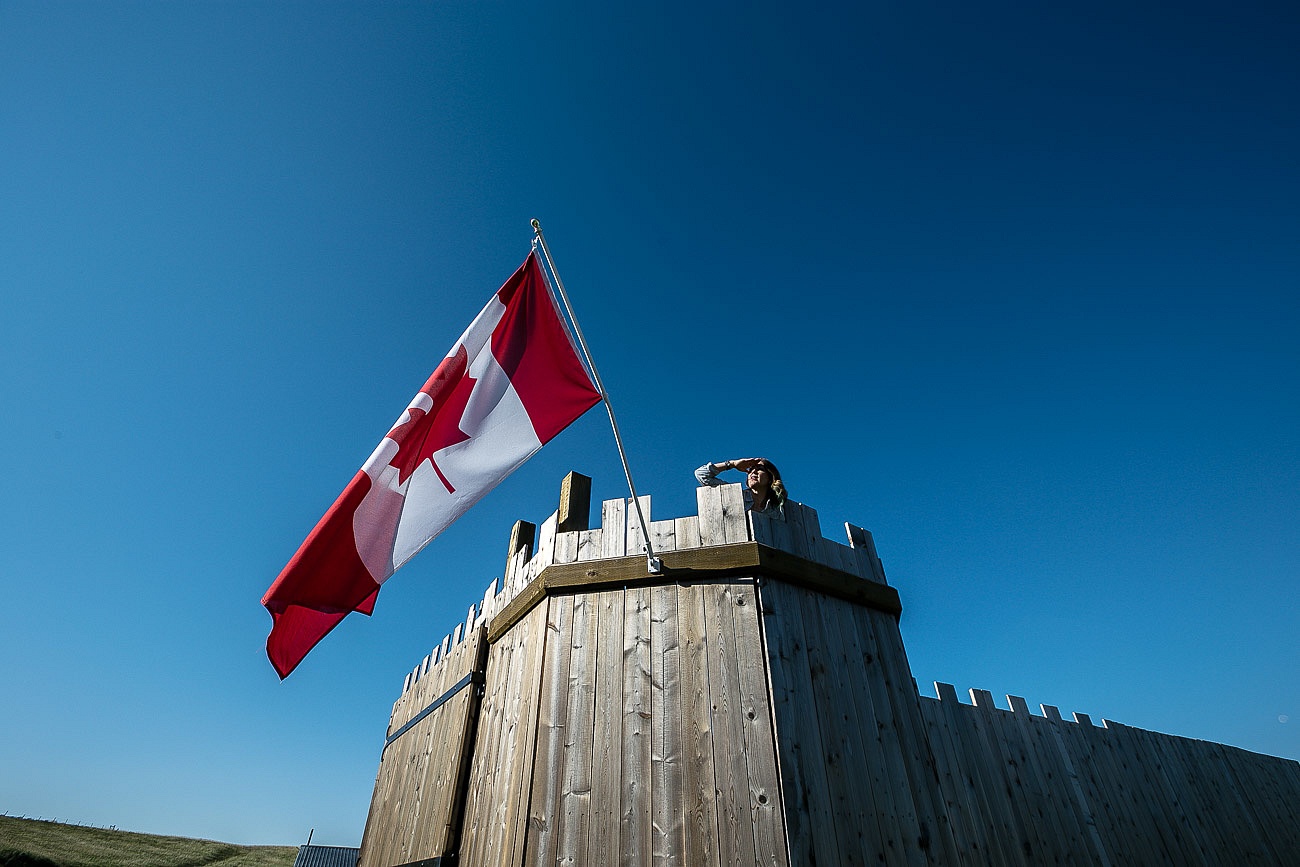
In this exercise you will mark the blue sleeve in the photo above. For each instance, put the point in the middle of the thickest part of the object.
(708, 475)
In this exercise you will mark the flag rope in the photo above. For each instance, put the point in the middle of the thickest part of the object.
(652, 562)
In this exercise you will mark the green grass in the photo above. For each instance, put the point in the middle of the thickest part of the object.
(32, 843)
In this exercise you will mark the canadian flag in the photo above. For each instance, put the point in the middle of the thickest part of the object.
(509, 385)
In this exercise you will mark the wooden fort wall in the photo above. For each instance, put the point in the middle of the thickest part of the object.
(1028, 789)
(754, 705)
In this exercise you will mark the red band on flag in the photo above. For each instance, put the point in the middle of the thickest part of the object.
(530, 335)
(509, 385)
(323, 582)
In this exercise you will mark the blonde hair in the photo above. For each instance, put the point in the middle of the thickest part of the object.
(777, 490)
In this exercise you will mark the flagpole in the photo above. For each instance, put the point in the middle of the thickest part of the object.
(652, 562)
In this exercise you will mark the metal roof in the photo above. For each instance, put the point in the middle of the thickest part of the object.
(327, 856)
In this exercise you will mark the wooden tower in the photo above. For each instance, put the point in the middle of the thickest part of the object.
(753, 704)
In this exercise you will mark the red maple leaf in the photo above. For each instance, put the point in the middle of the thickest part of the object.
(427, 432)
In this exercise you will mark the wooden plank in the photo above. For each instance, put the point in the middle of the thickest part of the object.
(552, 717)
(766, 817)
(635, 543)
(957, 780)
(590, 544)
(575, 808)
(949, 794)
(488, 744)
(897, 706)
(1048, 807)
(1140, 781)
(984, 779)
(712, 562)
(836, 556)
(566, 547)
(686, 531)
(760, 527)
(667, 785)
(865, 551)
(413, 753)
(811, 529)
(545, 553)
(876, 564)
(575, 503)
(518, 574)
(488, 608)
(1242, 828)
(860, 673)
(472, 619)
(603, 845)
(1081, 783)
(1236, 829)
(779, 527)
(735, 527)
(379, 819)
(613, 524)
(857, 547)
(466, 723)
(805, 793)
(1214, 817)
(731, 774)
(1054, 726)
(1179, 802)
(479, 832)
(522, 535)
(861, 816)
(410, 760)
(634, 822)
(663, 535)
(1133, 839)
(1267, 790)
(534, 640)
(1223, 826)
(514, 739)
(430, 742)
(796, 539)
(1074, 812)
(700, 796)
(708, 502)
(1145, 749)
(1015, 821)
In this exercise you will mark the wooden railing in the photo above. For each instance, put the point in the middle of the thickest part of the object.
(721, 519)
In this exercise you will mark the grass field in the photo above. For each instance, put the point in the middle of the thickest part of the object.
(32, 843)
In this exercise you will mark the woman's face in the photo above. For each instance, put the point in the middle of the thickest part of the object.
(759, 477)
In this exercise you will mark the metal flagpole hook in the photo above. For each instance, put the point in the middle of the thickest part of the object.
(652, 562)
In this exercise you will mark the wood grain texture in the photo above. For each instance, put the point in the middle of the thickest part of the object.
(753, 704)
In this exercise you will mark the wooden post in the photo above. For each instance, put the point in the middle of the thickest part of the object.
(522, 536)
(575, 503)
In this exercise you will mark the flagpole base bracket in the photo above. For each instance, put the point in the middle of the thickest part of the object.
(654, 564)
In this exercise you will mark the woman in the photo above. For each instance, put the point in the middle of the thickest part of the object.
(761, 478)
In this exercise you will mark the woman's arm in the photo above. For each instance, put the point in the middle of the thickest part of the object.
(708, 474)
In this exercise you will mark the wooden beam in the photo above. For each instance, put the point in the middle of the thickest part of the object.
(575, 503)
(692, 566)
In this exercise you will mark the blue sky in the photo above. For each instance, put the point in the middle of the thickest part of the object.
(1016, 289)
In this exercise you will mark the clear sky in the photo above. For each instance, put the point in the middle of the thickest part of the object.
(1016, 288)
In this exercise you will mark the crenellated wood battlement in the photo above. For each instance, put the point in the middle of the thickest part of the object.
(721, 522)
